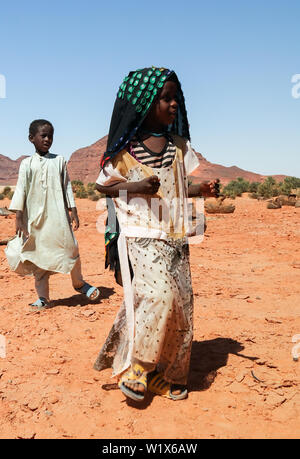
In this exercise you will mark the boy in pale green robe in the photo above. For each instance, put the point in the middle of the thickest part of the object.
(44, 242)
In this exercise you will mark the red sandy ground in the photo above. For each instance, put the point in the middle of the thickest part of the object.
(48, 388)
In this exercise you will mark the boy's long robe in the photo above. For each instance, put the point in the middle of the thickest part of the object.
(44, 195)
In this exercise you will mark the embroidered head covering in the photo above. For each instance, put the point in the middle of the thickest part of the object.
(138, 91)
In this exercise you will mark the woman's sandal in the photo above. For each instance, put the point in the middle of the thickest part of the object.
(135, 375)
(88, 290)
(41, 303)
(159, 386)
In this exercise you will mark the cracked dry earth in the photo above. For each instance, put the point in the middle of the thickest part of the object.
(243, 382)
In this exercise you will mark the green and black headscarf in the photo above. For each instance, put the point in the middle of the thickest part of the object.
(135, 96)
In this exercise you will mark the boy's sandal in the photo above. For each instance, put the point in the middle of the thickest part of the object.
(88, 290)
(41, 303)
(159, 386)
(135, 375)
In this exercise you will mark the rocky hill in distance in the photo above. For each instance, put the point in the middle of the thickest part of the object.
(9, 169)
(84, 165)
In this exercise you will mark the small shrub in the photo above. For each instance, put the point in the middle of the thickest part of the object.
(10, 195)
(253, 187)
(81, 194)
(94, 197)
(1, 196)
(7, 190)
(77, 185)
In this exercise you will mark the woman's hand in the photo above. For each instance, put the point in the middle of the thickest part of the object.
(149, 185)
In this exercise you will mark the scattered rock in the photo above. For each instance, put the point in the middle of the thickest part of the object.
(240, 376)
(241, 297)
(273, 205)
(275, 400)
(5, 241)
(52, 372)
(53, 399)
(87, 313)
(26, 434)
(60, 361)
(33, 406)
(218, 206)
(4, 212)
(273, 321)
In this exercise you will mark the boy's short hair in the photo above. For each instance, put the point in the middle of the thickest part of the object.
(34, 126)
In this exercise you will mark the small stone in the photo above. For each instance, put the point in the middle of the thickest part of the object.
(250, 301)
(26, 434)
(240, 376)
(275, 399)
(88, 313)
(53, 399)
(60, 361)
(241, 297)
(52, 372)
(273, 321)
(33, 405)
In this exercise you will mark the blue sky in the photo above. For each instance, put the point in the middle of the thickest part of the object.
(64, 60)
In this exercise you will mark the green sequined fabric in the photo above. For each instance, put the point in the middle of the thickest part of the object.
(141, 89)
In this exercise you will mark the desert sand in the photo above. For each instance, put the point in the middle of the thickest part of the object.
(243, 383)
